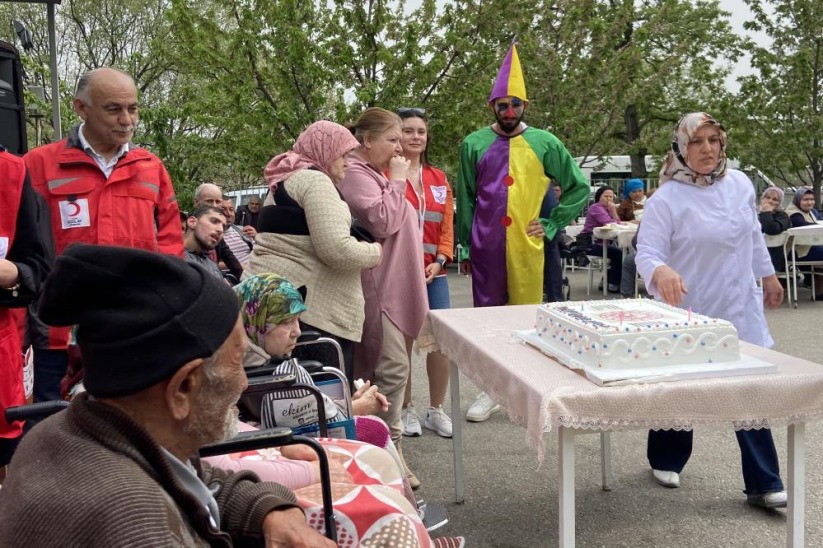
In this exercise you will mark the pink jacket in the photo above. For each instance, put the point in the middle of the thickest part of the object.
(397, 286)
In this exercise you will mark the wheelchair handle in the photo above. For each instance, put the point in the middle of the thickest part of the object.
(278, 437)
(38, 410)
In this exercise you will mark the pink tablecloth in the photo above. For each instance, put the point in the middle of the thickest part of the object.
(539, 393)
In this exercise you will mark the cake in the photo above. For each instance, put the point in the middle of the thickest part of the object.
(632, 334)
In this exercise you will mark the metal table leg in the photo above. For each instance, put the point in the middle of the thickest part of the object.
(565, 485)
(606, 459)
(457, 433)
(605, 270)
(795, 518)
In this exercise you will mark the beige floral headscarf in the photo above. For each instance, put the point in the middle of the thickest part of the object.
(675, 166)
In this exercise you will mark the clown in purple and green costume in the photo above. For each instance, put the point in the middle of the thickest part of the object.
(503, 175)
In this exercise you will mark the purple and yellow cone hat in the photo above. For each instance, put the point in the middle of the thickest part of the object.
(510, 80)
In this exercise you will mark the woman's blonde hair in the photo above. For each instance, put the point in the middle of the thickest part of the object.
(373, 122)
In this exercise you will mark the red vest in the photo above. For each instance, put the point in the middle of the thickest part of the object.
(435, 214)
(12, 175)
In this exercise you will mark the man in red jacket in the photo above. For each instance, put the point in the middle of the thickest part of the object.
(100, 189)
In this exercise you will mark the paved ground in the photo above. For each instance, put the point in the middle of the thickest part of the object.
(510, 502)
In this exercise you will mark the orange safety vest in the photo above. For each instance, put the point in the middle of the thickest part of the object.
(12, 175)
(435, 211)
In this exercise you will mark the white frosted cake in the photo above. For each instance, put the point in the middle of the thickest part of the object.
(633, 334)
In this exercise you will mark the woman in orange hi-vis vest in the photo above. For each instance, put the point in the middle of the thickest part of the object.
(428, 191)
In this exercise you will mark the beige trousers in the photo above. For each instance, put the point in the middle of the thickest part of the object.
(392, 373)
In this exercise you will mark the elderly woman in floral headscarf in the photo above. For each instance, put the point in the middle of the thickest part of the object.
(305, 233)
(699, 233)
(270, 309)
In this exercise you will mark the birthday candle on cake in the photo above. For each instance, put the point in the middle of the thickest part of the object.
(690, 315)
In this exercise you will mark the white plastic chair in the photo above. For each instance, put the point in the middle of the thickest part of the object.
(806, 235)
(596, 263)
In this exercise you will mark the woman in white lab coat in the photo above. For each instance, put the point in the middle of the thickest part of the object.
(700, 247)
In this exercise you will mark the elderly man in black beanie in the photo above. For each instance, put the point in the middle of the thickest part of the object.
(162, 349)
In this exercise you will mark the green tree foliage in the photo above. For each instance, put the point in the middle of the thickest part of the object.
(614, 76)
(783, 101)
(268, 69)
(227, 84)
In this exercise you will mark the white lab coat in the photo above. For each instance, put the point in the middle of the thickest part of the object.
(711, 237)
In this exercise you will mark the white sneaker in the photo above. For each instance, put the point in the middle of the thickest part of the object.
(438, 421)
(411, 422)
(666, 478)
(482, 408)
(774, 499)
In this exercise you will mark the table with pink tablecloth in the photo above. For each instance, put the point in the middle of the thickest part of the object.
(541, 394)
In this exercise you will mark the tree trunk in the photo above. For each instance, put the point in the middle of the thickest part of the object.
(638, 155)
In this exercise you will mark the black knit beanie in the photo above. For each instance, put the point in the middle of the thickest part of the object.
(141, 316)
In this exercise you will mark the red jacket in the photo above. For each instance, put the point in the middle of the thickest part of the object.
(134, 207)
(12, 175)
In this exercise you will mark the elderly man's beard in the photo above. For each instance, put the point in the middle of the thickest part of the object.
(508, 125)
(215, 414)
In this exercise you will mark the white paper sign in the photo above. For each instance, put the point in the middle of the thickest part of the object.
(4, 246)
(439, 193)
(74, 214)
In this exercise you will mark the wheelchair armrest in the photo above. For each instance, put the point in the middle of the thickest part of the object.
(262, 371)
(265, 383)
(308, 336)
(250, 441)
(38, 410)
(312, 366)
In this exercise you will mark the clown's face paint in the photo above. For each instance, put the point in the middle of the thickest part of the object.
(508, 111)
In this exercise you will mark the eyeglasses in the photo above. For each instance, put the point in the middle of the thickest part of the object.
(407, 112)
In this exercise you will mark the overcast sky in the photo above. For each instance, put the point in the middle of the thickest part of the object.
(740, 13)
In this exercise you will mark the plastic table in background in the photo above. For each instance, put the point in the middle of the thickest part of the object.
(622, 234)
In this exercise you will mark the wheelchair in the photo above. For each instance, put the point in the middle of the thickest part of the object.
(264, 380)
(312, 344)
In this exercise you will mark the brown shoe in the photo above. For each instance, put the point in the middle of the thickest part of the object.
(412, 479)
